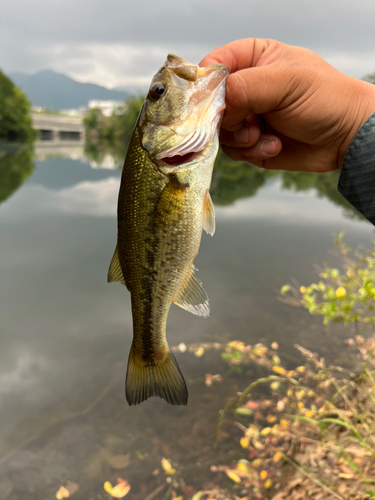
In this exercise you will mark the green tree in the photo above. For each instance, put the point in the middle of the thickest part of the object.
(15, 116)
(124, 122)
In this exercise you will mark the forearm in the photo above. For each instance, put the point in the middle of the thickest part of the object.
(357, 179)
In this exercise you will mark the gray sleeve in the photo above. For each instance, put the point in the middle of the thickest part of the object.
(357, 178)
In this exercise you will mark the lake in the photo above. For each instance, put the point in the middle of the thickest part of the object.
(65, 332)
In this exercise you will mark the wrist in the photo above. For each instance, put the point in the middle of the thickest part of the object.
(363, 106)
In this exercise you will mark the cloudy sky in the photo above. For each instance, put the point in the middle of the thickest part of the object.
(123, 42)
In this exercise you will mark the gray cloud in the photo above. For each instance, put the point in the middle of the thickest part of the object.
(119, 41)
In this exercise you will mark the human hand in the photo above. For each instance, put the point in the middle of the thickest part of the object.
(287, 108)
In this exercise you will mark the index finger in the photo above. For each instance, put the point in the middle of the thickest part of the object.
(238, 55)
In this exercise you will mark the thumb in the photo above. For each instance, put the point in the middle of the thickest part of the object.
(258, 90)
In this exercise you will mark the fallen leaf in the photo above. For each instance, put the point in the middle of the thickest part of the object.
(167, 466)
(120, 490)
(62, 493)
(233, 476)
(263, 474)
(197, 495)
(72, 487)
(119, 461)
(244, 442)
(199, 352)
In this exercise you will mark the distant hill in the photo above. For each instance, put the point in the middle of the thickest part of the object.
(140, 90)
(56, 91)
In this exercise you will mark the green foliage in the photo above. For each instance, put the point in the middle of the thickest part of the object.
(16, 166)
(15, 117)
(346, 295)
(234, 180)
(370, 78)
(113, 131)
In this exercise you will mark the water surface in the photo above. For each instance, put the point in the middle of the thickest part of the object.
(65, 332)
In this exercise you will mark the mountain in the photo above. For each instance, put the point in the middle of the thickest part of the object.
(140, 90)
(56, 91)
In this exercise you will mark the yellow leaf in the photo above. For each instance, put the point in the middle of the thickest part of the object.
(300, 405)
(279, 369)
(256, 463)
(167, 466)
(302, 289)
(121, 489)
(199, 352)
(268, 484)
(108, 487)
(309, 414)
(177, 498)
(265, 431)
(197, 495)
(263, 475)
(271, 419)
(244, 442)
(233, 476)
(62, 493)
(242, 467)
(340, 292)
(277, 456)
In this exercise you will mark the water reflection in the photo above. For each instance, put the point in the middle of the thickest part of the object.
(65, 333)
(16, 166)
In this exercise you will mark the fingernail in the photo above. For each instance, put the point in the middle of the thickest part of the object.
(268, 147)
(242, 135)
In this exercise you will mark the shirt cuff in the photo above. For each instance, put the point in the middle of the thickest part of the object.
(357, 178)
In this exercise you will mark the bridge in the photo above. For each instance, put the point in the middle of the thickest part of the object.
(58, 130)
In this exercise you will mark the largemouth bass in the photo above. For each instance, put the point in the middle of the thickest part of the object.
(163, 204)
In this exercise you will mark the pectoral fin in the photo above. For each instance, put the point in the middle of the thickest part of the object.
(208, 222)
(171, 203)
(115, 272)
(192, 296)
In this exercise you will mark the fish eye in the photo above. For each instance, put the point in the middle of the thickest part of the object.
(158, 90)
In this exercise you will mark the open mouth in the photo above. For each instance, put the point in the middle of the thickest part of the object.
(178, 160)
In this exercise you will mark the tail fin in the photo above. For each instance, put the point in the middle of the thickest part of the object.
(162, 379)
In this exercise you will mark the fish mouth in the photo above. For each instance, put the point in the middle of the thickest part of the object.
(178, 160)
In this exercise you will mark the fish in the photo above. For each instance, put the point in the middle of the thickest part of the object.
(164, 202)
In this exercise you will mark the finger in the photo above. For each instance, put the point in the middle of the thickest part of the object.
(240, 54)
(245, 134)
(267, 147)
(246, 137)
(261, 90)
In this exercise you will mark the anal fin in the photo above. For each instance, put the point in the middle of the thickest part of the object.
(208, 222)
(115, 272)
(192, 296)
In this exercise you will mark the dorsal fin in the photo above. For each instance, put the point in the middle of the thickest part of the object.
(115, 272)
(208, 222)
(192, 296)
